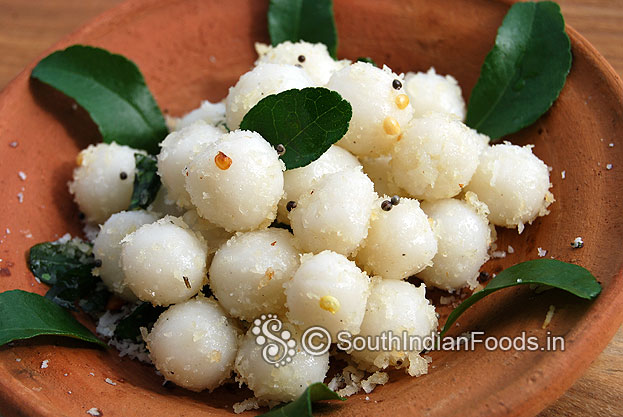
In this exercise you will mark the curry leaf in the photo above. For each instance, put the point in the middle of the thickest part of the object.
(303, 20)
(24, 315)
(66, 265)
(523, 73)
(306, 122)
(367, 59)
(50, 261)
(111, 89)
(550, 272)
(143, 315)
(302, 406)
(146, 182)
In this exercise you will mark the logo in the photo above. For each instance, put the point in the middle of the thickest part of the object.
(278, 345)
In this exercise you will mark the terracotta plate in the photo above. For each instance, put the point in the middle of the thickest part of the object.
(193, 49)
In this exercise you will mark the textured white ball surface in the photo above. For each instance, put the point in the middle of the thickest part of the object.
(436, 157)
(513, 183)
(107, 248)
(194, 344)
(379, 171)
(263, 80)
(211, 113)
(335, 214)
(237, 181)
(328, 290)
(396, 306)
(283, 383)
(380, 111)
(248, 272)
(164, 262)
(400, 242)
(301, 180)
(315, 61)
(176, 153)
(429, 91)
(215, 236)
(163, 205)
(97, 183)
(463, 236)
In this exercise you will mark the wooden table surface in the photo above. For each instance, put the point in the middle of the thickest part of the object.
(27, 27)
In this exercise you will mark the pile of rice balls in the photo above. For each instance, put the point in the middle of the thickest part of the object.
(409, 190)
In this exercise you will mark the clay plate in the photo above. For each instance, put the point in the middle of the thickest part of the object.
(191, 50)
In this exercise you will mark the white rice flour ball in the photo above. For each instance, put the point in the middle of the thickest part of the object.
(107, 248)
(237, 181)
(381, 109)
(164, 262)
(397, 306)
(301, 180)
(285, 382)
(163, 205)
(513, 183)
(429, 91)
(210, 113)
(400, 241)
(436, 157)
(379, 171)
(215, 236)
(327, 290)
(313, 58)
(176, 153)
(103, 180)
(463, 237)
(194, 344)
(248, 272)
(261, 81)
(335, 214)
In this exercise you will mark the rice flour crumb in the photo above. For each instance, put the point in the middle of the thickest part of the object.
(443, 300)
(510, 249)
(577, 243)
(94, 412)
(44, 364)
(563, 174)
(246, 405)
(498, 254)
(608, 167)
(110, 381)
(20, 197)
(542, 252)
(377, 378)
(13, 144)
(21, 175)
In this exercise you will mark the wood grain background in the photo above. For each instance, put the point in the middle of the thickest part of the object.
(27, 27)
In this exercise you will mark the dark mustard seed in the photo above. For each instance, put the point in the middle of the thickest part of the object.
(291, 205)
(395, 200)
(301, 58)
(97, 263)
(483, 276)
(386, 205)
(280, 149)
(397, 84)
(123, 175)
